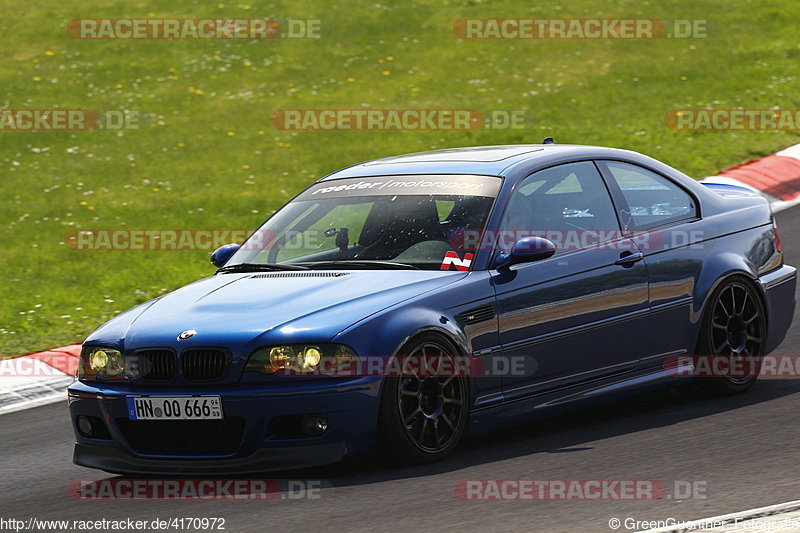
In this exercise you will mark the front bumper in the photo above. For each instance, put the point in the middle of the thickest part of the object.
(350, 406)
(264, 460)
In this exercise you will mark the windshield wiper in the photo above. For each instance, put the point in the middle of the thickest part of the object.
(378, 265)
(258, 267)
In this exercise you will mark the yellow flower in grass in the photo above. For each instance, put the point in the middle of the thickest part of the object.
(231, 133)
(36, 78)
(386, 73)
(49, 53)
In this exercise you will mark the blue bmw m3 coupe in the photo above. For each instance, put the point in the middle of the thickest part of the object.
(403, 303)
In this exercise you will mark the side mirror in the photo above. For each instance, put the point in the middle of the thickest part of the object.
(526, 250)
(222, 254)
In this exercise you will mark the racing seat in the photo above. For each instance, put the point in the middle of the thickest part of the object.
(396, 223)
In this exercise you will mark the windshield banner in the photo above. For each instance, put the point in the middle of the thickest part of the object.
(462, 185)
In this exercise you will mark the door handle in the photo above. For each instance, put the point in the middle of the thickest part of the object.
(627, 259)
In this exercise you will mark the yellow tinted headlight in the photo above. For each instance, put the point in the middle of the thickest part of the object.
(309, 357)
(322, 358)
(97, 362)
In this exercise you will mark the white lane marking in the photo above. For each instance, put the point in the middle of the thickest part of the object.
(52, 397)
(792, 151)
(780, 205)
(28, 382)
(737, 521)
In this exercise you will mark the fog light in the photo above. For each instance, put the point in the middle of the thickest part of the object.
(314, 425)
(85, 426)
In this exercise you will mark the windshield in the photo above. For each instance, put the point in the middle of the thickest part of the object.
(411, 221)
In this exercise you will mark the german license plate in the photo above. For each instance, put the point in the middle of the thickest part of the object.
(174, 407)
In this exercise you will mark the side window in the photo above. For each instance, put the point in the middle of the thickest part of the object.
(653, 199)
(568, 204)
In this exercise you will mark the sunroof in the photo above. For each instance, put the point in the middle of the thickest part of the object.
(485, 154)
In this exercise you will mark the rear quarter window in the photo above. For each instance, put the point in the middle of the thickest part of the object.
(652, 199)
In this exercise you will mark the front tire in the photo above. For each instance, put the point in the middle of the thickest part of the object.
(734, 326)
(422, 417)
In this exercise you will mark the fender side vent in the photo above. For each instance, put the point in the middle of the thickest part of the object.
(479, 314)
(301, 275)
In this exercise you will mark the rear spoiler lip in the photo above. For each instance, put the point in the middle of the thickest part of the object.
(729, 189)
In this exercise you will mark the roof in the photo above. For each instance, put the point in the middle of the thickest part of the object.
(484, 154)
(485, 160)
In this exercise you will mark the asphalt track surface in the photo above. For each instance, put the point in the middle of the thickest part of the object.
(742, 450)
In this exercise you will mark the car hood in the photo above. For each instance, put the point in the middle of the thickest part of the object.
(240, 311)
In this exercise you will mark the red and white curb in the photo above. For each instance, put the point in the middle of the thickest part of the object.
(38, 378)
(777, 177)
(41, 378)
(781, 517)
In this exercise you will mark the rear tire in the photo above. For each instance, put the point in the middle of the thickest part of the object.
(734, 325)
(422, 418)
